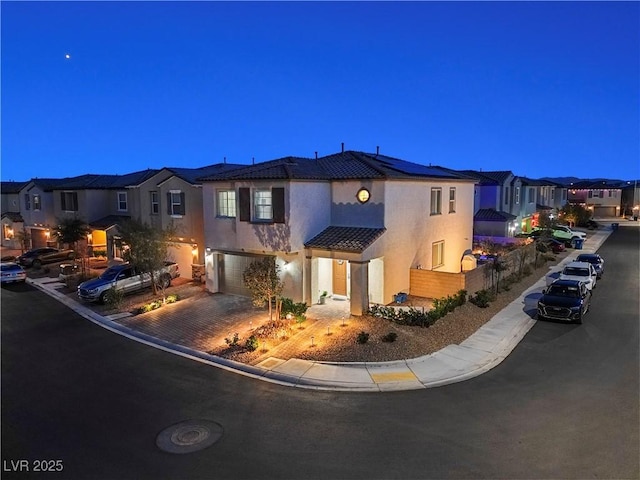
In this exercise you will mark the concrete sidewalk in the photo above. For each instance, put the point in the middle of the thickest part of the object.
(482, 351)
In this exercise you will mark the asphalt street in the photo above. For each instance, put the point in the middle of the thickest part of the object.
(564, 404)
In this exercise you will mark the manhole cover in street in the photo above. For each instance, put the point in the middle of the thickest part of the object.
(189, 436)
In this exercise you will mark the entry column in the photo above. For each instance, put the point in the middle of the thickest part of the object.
(359, 287)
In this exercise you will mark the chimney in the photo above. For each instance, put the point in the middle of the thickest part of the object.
(253, 160)
(377, 150)
(316, 155)
(342, 147)
(224, 160)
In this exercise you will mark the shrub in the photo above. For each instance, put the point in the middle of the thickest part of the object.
(114, 297)
(390, 337)
(527, 270)
(252, 343)
(99, 253)
(482, 298)
(363, 337)
(173, 298)
(233, 342)
(289, 307)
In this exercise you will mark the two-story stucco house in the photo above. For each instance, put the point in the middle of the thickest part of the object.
(173, 197)
(602, 197)
(352, 224)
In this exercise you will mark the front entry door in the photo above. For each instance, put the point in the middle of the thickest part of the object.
(340, 277)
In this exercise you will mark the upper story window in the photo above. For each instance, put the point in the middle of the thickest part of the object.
(436, 201)
(262, 207)
(36, 202)
(590, 195)
(226, 203)
(506, 195)
(69, 201)
(175, 203)
(516, 196)
(154, 200)
(261, 204)
(532, 195)
(122, 201)
(553, 194)
(564, 195)
(452, 199)
(27, 201)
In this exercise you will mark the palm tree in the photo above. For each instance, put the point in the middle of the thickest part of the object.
(71, 231)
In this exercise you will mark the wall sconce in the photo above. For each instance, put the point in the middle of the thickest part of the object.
(194, 249)
(208, 249)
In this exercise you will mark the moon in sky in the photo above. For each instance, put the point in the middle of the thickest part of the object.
(67, 56)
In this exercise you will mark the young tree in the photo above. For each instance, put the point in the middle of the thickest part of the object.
(71, 231)
(263, 279)
(24, 237)
(147, 248)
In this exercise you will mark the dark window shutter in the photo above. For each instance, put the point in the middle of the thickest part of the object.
(245, 204)
(169, 204)
(277, 197)
(183, 208)
(63, 202)
(75, 201)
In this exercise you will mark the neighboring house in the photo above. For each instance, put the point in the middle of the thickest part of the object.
(630, 204)
(37, 210)
(173, 196)
(524, 204)
(352, 224)
(492, 204)
(102, 201)
(602, 197)
(12, 221)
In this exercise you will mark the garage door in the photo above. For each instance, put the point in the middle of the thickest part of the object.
(38, 238)
(602, 211)
(231, 269)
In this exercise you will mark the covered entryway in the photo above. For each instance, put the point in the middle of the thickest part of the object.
(182, 254)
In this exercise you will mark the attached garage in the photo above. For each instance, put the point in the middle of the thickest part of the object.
(38, 238)
(230, 273)
(600, 211)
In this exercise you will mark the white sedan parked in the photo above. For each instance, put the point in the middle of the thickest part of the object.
(11, 272)
(582, 271)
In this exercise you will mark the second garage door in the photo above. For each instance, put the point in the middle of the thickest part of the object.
(231, 269)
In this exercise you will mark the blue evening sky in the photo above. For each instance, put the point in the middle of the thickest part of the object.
(539, 88)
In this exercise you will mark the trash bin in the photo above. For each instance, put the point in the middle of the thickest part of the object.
(401, 297)
(578, 243)
(614, 226)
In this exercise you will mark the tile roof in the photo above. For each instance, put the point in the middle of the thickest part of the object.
(488, 178)
(193, 175)
(491, 215)
(13, 216)
(108, 221)
(345, 239)
(349, 165)
(12, 187)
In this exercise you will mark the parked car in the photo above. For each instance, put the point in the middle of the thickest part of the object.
(564, 300)
(39, 256)
(594, 259)
(567, 234)
(11, 272)
(537, 233)
(126, 278)
(556, 246)
(581, 271)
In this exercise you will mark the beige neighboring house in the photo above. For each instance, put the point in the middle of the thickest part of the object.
(352, 224)
(602, 197)
(173, 196)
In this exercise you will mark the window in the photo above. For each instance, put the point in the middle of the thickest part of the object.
(36, 202)
(590, 194)
(553, 194)
(175, 203)
(226, 203)
(262, 205)
(69, 201)
(122, 201)
(564, 194)
(516, 194)
(532, 195)
(437, 254)
(601, 194)
(155, 203)
(506, 195)
(436, 201)
(452, 199)
(27, 201)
